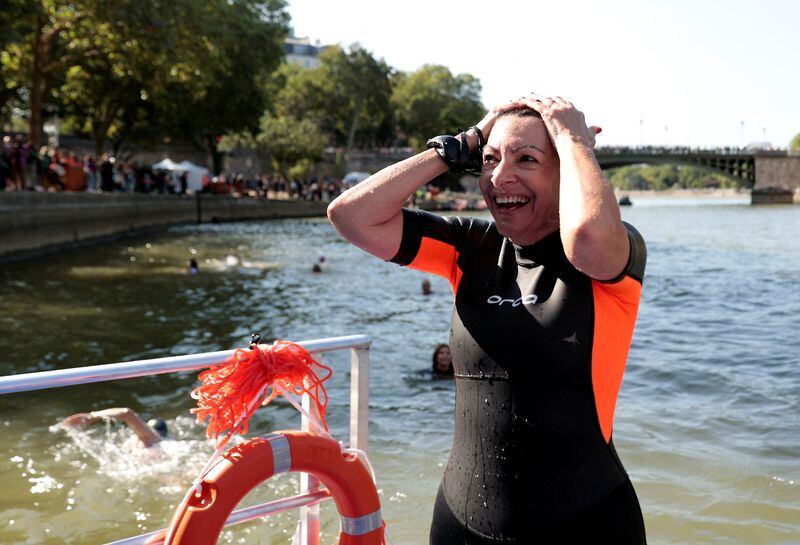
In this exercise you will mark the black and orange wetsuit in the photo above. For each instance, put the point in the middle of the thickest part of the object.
(539, 350)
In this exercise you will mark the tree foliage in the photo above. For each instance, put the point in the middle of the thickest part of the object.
(293, 145)
(138, 72)
(128, 68)
(127, 61)
(36, 53)
(661, 177)
(15, 23)
(244, 45)
(347, 96)
(794, 145)
(433, 101)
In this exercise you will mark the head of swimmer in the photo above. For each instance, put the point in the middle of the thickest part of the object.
(442, 360)
(520, 177)
(159, 426)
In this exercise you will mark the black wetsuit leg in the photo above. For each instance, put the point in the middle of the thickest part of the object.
(617, 519)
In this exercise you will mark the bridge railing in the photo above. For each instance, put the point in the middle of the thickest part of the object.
(687, 150)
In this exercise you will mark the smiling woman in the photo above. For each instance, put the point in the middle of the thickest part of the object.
(536, 379)
(520, 184)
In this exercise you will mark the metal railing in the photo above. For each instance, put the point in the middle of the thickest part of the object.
(310, 492)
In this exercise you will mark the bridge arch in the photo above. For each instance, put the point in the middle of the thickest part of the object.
(736, 164)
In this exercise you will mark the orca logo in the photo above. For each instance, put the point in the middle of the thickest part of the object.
(526, 300)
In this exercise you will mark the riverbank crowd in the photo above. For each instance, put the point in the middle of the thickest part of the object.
(51, 169)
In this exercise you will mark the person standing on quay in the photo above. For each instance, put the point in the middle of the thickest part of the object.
(106, 173)
(5, 163)
(546, 297)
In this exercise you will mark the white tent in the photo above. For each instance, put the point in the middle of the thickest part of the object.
(195, 174)
(166, 164)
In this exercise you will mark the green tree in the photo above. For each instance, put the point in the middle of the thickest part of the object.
(361, 89)
(794, 145)
(138, 69)
(433, 101)
(347, 96)
(293, 145)
(661, 177)
(130, 56)
(15, 23)
(627, 178)
(36, 52)
(244, 46)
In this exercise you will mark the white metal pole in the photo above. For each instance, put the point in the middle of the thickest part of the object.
(359, 398)
(237, 517)
(141, 368)
(309, 515)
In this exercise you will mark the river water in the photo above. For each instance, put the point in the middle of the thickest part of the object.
(708, 421)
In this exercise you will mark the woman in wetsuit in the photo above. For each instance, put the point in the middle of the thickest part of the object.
(546, 297)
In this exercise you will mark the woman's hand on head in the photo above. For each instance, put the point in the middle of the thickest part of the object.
(486, 124)
(563, 120)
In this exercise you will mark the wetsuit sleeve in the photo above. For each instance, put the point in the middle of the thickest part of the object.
(437, 245)
(616, 304)
(638, 256)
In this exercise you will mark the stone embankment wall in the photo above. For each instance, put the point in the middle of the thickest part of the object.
(32, 223)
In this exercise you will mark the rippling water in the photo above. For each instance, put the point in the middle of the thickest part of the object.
(708, 422)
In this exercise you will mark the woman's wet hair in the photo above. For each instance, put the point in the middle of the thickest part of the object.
(435, 354)
(521, 112)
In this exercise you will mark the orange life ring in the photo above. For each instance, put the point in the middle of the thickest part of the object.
(199, 519)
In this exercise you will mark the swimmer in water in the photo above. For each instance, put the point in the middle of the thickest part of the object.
(442, 361)
(426, 287)
(546, 295)
(148, 433)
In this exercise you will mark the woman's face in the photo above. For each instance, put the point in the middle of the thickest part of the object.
(443, 360)
(519, 179)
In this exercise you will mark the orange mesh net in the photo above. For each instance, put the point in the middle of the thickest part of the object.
(229, 394)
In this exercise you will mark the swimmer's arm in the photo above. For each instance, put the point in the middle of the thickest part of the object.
(145, 434)
(369, 213)
(594, 238)
(128, 416)
(79, 420)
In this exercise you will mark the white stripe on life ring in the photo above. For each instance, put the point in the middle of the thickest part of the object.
(358, 526)
(281, 453)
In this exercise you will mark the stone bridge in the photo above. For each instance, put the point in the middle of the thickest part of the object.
(773, 175)
(766, 172)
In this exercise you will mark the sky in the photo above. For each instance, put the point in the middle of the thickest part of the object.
(697, 73)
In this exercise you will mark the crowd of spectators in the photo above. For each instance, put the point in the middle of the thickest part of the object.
(22, 168)
(315, 188)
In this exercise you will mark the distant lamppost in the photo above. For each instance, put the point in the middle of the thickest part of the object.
(641, 132)
(741, 136)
